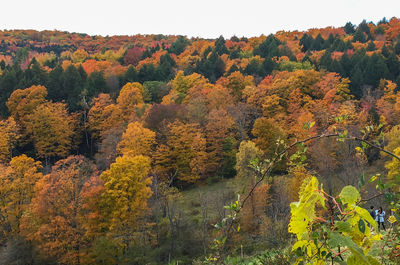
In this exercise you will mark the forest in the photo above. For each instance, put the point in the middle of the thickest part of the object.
(154, 149)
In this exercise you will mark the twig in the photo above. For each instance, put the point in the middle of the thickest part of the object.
(368, 199)
(375, 146)
(336, 254)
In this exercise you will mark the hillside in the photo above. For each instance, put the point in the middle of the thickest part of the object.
(134, 149)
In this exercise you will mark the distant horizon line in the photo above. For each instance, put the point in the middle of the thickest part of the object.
(191, 37)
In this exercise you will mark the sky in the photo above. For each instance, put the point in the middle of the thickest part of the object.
(201, 18)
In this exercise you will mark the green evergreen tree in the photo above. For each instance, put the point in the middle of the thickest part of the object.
(397, 48)
(393, 65)
(166, 71)
(318, 43)
(383, 21)
(157, 90)
(349, 28)
(349, 46)
(131, 75)
(73, 83)
(21, 55)
(306, 42)
(254, 68)
(379, 31)
(359, 36)
(285, 51)
(234, 38)
(8, 83)
(363, 26)
(375, 70)
(371, 46)
(235, 53)
(82, 73)
(211, 67)
(229, 158)
(220, 47)
(233, 68)
(357, 81)
(55, 85)
(385, 51)
(148, 72)
(346, 65)
(33, 75)
(338, 45)
(336, 67)
(268, 48)
(268, 66)
(328, 43)
(326, 60)
(95, 84)
(306, 57)
(179, 45)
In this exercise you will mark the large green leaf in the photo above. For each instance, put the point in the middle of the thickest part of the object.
(337, 240)
(359, 259)
(343, 226)
(349, 195)
(361, 226)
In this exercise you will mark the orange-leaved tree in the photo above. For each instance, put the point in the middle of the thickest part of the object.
(183, 156)
(58, 217)
(218, 129)
(97, 114)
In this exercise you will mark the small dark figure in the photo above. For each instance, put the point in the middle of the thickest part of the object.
(380, 218)
(372, 212)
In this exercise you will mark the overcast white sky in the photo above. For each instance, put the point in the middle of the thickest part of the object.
(204, 18)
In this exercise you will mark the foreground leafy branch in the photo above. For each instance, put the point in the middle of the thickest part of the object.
(340, 230)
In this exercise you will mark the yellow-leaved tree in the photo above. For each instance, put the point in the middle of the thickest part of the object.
(126, 191)
(267, 133)
(52, 130)
(97, 114)
(17, 182)
(130, 96)
(22, 102)
(181, 85)
(9, 131)
(136, 140)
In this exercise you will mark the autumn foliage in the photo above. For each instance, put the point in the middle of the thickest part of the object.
(125, 149)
